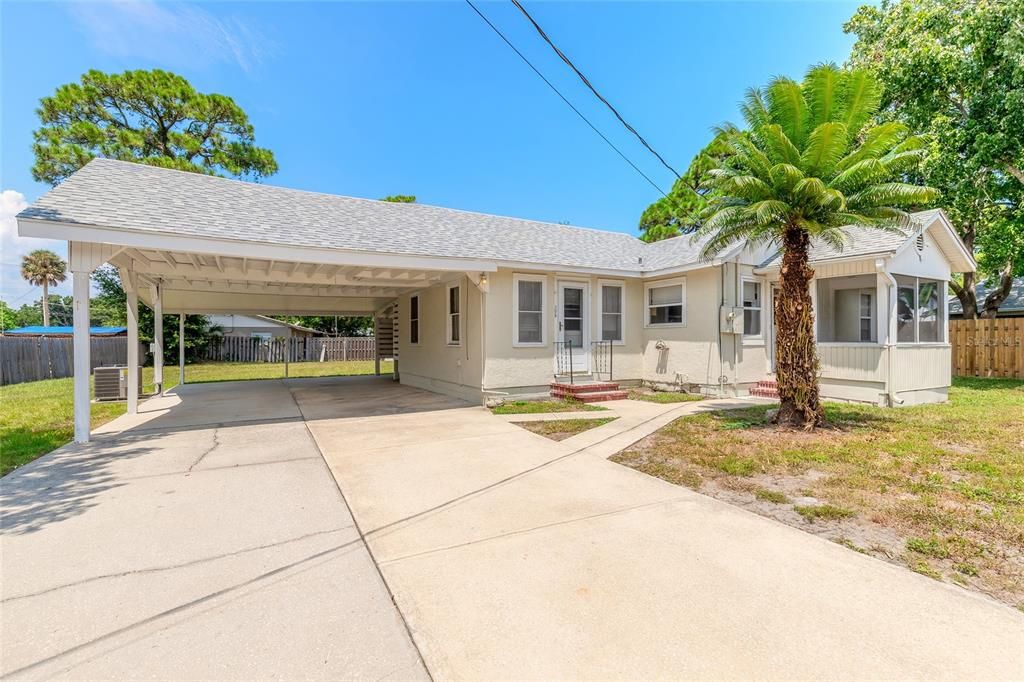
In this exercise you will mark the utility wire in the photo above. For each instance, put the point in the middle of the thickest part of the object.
(587, 82)
(563, 98)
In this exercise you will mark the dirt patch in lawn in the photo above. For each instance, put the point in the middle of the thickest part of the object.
(560, 429)
(937, 488)
(662, 397)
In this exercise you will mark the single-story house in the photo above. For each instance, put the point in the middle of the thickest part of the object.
(260, 327)
(39, 330)
(481, 305)
(1013, 306)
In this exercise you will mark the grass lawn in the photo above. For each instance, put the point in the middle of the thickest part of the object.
(937, 488)
(662, 397)
(560, 429)
(544, 406)
(38, 416)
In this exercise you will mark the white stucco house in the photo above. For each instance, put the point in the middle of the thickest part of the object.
(482, 305)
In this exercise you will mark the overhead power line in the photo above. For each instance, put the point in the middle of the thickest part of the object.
(564, 99)
(586, 81)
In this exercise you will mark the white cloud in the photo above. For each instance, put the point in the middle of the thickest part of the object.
(171, 34)
(13, 288)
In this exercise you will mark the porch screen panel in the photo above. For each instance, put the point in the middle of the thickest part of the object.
(929, 329)
(906, 308)
(531, 302)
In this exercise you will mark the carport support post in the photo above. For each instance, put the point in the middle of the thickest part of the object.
(132, 300)
(181, 349)
(158, 338)
(80, 290)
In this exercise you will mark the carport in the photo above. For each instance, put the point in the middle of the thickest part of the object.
(224, 250)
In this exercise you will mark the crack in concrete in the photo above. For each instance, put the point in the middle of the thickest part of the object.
(172, 567)
(216, 444)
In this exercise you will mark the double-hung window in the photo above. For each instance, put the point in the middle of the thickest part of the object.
(920, 310)
(666, 303)
(529, 322)
(454, 316)
(751, 308)
(612, 304)
(414, 320)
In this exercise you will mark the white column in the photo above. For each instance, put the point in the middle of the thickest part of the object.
(133, 346)
(181, 349)
(80, 285)
(158, 338)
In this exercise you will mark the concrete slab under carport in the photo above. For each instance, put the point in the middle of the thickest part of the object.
(192, 541)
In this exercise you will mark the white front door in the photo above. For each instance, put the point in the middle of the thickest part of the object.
(574, 322)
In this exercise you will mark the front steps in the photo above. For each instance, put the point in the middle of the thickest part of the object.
(588, 391)
(766, 388)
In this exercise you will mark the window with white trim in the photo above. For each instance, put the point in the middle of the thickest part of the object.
(528, 307)
(920, 313)
(612, 302)
(414, 320)
(454, 315)
(666, 303)
(751, 308)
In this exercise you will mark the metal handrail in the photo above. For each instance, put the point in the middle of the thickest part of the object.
(603, 358)
(563, 359)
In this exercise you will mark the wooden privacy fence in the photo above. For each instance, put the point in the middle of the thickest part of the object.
(45, 357)
(312, 349)
(988, 348)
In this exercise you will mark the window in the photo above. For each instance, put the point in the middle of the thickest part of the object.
(414, 319)
(846, 309)
(867, 318)
(751, 308)
(453, 315)
(665, 303)
(920, 316)
(528, 308)
(265, 337)
(611, 312)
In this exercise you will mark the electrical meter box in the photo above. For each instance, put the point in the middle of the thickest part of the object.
(731, 320)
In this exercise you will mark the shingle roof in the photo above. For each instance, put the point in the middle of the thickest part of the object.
(136, 197)
(147, 199)
(861, 241)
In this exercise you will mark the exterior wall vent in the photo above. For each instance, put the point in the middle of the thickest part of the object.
(920, 242)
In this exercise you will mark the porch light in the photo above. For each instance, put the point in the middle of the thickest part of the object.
(483, 279)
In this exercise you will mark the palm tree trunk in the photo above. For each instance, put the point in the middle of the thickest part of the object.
(796, 355)
(46, 303)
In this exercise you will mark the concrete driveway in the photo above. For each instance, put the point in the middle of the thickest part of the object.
(187, 543)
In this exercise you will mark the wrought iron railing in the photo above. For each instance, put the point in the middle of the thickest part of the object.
(602, 361)
(602, 358)
(563, 358)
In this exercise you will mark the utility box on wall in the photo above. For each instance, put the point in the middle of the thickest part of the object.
(731, 320)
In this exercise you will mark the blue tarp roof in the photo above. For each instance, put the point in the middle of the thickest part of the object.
(66, 331)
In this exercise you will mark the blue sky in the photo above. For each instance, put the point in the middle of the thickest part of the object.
(369, 99)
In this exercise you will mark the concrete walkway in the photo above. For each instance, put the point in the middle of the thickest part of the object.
(206, 539)
(191, 542)
(512, 556)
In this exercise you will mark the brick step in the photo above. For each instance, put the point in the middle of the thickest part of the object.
(768, 383)
(764, 393)
(564, 389)
(600, 396)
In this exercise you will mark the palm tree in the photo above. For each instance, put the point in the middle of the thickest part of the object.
(42, 268)
(809, 163)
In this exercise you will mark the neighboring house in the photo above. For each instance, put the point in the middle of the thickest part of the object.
(483, 305)
(1013, 306)
(65, 331)
(260, 327)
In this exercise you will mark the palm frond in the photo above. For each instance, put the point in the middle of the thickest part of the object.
(893, 194)
(821, 88)
(862, 93)
(788, 109)
(785, 175)
(877, 142)
(809, 190)
(780, 148)
(860, 174)
(770, 211)
(825, 148)
(753, 108)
